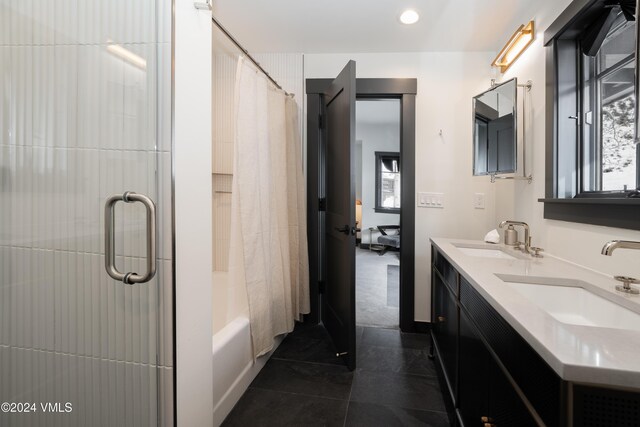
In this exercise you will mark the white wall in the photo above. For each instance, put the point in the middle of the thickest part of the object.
(446, 84)
(574, 242)
(192, 171)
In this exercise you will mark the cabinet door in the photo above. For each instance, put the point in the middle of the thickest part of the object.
(505, 406)
(473, 389)
(445, 330)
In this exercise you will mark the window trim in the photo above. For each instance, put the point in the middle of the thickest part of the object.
(379, 156)
(613, 209)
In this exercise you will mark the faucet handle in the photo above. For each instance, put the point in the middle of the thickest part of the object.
(536, 252)
(626, 284)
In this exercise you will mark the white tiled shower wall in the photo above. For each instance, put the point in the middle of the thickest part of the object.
(79, 123)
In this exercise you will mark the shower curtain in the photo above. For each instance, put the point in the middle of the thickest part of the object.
(268, 251)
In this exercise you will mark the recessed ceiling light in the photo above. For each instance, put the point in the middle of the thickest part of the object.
(409, 17)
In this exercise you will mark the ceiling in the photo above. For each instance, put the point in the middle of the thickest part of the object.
(340, 26)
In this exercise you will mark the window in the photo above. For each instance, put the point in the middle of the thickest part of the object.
(595, 67)
(592, 165)
(608, 123)
(387, 182)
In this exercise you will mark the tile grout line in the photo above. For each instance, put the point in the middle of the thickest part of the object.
(355, 371)
(282, 359)
(405, 408)
(346, 412)
(315, 396)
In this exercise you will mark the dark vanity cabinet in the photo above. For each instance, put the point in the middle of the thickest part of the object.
(481, 389)
(491, 376)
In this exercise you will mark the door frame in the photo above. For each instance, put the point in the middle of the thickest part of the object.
(405, 90)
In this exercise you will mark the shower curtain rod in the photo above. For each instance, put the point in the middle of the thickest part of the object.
(248, 55)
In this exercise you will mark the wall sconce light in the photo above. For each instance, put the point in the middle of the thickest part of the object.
(518, 43)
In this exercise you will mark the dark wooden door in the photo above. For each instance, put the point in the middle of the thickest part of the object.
(338, 301)
(501, 147)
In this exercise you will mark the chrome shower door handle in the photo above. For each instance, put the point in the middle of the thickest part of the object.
(109, 238)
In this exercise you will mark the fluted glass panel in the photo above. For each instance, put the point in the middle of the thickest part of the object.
(85, 113)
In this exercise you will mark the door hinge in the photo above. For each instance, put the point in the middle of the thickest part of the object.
(320, 121)
(321, 286)
(322, 204)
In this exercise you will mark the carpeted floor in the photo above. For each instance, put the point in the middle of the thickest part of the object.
(377, 292)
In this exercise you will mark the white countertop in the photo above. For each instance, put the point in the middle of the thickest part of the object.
(583, 354)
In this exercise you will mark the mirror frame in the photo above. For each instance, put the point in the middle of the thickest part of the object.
(513, 80)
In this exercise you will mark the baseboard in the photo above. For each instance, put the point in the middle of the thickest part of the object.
(422, 327)
(416, 327)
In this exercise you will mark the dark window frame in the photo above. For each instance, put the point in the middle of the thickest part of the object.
(380, 155)
(610, 208)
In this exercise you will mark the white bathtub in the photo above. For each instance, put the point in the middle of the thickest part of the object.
(233, 365)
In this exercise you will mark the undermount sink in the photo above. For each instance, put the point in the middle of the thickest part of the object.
(484, 252)
(570, 303)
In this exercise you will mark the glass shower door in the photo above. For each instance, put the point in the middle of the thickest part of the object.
(85, 116)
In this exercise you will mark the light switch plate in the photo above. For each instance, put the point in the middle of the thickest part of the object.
(431, 200)
(478, 200)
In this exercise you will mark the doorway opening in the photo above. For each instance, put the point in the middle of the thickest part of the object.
(378, 206)
(331, 201)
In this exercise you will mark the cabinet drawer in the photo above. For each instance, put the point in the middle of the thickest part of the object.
(539, 383)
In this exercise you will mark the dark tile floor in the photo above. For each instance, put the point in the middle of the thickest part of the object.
(304, 384)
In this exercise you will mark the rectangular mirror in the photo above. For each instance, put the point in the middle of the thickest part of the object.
(494, 130)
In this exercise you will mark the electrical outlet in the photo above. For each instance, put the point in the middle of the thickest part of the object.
(478, 200)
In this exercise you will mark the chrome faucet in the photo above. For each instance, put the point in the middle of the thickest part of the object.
(608, 249)
(527, 238)
(611, 246)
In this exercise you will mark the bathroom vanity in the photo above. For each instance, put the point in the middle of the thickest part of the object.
(522, 341)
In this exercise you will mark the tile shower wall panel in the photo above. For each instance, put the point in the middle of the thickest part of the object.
(85, 112)
(164, 209)
(5, 298)
(222, 219)
(223, 101)
(126, 388)
(65, 19)
(164, 97)
(224, 81)
(288, 70)
(5, 93)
